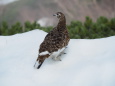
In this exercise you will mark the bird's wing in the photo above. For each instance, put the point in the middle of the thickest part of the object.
(52, 42)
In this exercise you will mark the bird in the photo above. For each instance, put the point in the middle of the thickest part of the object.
(55, 42)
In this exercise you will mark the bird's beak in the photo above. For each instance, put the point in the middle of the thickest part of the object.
(54, 14)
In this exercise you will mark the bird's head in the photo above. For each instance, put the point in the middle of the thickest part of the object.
(59, 15)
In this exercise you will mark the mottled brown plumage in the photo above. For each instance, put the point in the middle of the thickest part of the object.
(56, 39)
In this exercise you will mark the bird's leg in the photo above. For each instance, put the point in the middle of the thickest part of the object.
(62, 52)
(57, 58)
(59, 55)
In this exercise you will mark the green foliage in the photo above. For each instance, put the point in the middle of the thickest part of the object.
(103, 27)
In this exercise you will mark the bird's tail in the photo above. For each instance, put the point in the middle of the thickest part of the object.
(40, 65)
(40, 60)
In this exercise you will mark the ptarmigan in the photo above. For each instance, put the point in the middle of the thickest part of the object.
(55, 41)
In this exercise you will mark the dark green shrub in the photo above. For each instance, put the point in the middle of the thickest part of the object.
(103, 27)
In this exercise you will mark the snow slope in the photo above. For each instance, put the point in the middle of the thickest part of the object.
(87, 62)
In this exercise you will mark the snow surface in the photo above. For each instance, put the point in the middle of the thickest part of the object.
(87, 62)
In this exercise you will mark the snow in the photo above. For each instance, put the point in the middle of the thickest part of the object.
(4, 2)
(87, 62)
(45, 22)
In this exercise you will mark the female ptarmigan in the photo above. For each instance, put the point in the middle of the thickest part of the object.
(55, 41)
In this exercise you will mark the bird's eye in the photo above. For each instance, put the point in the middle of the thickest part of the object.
(58, 14)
